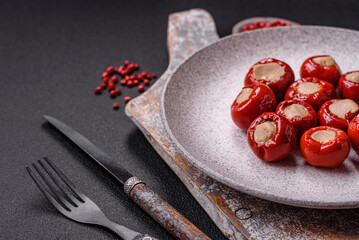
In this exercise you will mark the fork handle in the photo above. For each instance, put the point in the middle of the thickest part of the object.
(179, 226)
(125, 233)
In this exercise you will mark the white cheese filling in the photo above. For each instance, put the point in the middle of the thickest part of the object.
(264, 131)
(323, 136)
(295, 111)
(342, 107)
(353, 77)
(309, 88)
(244, 95)
(268, 71)
(326, 61)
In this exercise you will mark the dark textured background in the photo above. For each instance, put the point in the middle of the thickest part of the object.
(52, 54)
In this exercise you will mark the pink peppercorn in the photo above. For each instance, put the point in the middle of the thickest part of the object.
(135, 82)
(140, 77)
(137, 66)
(129, 83)
(146, 82)
(103, 85)
(118, 91)
(114, 79)
(104, 74)
(111, 86)
(123, 81)
(126, 62)
(110, 70)
(113, 93)
(154, 75)
(120, 69)
(116, 105)
(127, 99)
(98, 90)
(141, 88)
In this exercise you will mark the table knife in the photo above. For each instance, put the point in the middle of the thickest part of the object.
(168, 217)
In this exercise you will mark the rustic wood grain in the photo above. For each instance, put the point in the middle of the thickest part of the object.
(238, 215)
(179, 226)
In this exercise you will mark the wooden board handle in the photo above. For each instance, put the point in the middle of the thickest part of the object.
(169, 218)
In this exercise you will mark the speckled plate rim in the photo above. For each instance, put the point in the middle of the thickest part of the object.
(227, 181)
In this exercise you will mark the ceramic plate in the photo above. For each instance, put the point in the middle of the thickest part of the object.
(195, 108)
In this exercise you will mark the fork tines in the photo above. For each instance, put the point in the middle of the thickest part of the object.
(56, 187)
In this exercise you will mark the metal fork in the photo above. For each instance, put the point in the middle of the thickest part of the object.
(73, 203)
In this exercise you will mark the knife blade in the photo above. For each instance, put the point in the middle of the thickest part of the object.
(168, 217)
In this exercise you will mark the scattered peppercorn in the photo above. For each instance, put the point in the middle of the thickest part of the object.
(141, 88)
(146, 82)
(104, 74)
(123, 82)
(110, 69)
(111, 86)
(118, 91)
(120, 69)
(129, 79)
(98, 90)
(113, 93)
(129, 83)
(114, 79)
(116, 105)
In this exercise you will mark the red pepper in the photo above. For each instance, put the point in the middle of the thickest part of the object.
(300, 124)
(353, 133)
(278, 86)
(327, 118)
(280, 145)
(260, 100)
(325, 153)
(325, 92)
(330, 74)
(349, 89)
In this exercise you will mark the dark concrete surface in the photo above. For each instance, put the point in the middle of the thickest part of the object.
(52, 54)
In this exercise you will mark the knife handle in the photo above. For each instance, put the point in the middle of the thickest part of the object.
(179, 226)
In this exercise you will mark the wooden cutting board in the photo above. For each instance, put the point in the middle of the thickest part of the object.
(237, 215)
